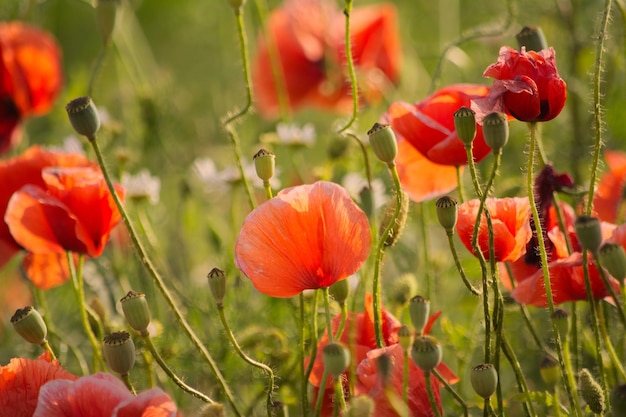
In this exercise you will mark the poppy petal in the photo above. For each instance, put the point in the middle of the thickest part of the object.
(46, 270)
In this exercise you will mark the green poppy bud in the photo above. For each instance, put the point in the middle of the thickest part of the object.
(402, 288)
(404, 337)
(29, 324)
(400, 222)
(84, 116)
(532, 39)
(484, 379)
(561, 318)
(447, 213)
(264, 163)
(589, 233)
(361, 406)
(591, 392)
(217, 284)
(550, 371)
(419, 310)
(426, 353)
(119, 352)
(496, 131)
(465, 125)
(136, 311)
(613, 259)
(383, 142)
(336, 358)
(340, 291)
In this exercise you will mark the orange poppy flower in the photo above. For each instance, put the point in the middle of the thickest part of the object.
(610, 192)
(30, 77)
(307, 237)
(567, 282)
(21, 381)
(359, 337)
(74, 212)
(101, 395)
(511, 227)
(429, 124)
(308, 38)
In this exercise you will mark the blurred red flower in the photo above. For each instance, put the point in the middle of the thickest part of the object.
(610, 192)
(308, 38)
(45, 270)
(527, 86)
(510, 221)
(307, 237)
(429, 125)
(360, 339)
(101, 395)
(74, 212)
(30, 77)
(21, 381)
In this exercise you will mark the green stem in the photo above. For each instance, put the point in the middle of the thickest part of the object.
(342, 323)
(329, 327)
(313, 338)
(79, 291)
(617, 363)
(249, 360)
(452, 392)
(431, 396)
(97, 67)
(459, 183)
(340, 401)
(597, 106)
(366, 159)
(519, 376)
(405, 377)
(458, 264)
(126, 379)
(160, 283)
(304, 409)
(268, 189)
(609, 287)
(426, 270)
(351, 71)
(46, 346)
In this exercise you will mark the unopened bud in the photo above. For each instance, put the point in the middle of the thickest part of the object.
(404, 337)
(532, 39)
(550, 371)
(591, 392)
(340, 291)
(383, 142)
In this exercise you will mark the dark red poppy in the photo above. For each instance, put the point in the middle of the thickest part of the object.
(74, 212)
(307, 237)
(30, 77)
(359, 337)
(307, 37)
(429, 125)
(527, 86)
(511, 227)
(610, 192)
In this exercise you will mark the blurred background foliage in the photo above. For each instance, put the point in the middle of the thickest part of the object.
(175, 71)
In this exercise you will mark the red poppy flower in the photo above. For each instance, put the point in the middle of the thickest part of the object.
(567, 282)
(30, 77)
(101, 395)
(308, 39)
(610, 192)
(21, 381)
(527, 86)
(74, 212)
(511, 227)
(307, 237)
(359, 337)
(429, 125)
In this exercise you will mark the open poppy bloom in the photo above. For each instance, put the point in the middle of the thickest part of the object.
(307, 237)
(74, 212)
(610, 192)
(45, 270)
(21, 381)
(510, 222)
(359, 336)
(429, 125)
(30, 77)
(308, 39)
(101, 395)
(527, 86)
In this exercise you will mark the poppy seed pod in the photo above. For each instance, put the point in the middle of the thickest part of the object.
(84, 116)
(496, 131)
(591, 392)
(217, 284)
(484, 379)
(589, 233)
(613, 259)
(264, 164)
(119, 352)
(465, 125)
(136, 311)
(447, 213)
(550, 371)
(29, 324)
(383, 142)
(532, 39)
(419, 310)
(336, 358)
(404, 337)
(561, 318)
(426, 353)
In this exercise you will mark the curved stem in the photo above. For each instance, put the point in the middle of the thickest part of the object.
(249, 360)
(519, 376)
(605, 280)
(342, 324)
(160, 283)
(431, 396)
(609, 346)
(459, 183)
(459, 266)
(351, 72)
(452, 392)
(126, 379)
(46, 346)
(366, 159)
(97, 67)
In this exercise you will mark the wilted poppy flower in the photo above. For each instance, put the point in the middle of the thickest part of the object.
(101, 395)
(567, 283)
(74, 212)
(30, 77)
(527, 86)
(360, 338)
(429, 125)
(307, 237)
(510, 222)
(308, 38)
(21, 380)
(610, 192)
